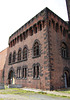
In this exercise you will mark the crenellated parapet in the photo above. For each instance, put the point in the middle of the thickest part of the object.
(45, 18)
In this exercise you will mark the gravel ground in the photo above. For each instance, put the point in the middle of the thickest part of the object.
(30, 97)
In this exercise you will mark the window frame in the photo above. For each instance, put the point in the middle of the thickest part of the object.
(18, 72)
(36, 50)
(64, 50)
(36, 71)
(10, 58)
(25, 53)
(19, 58)
(14, 57)
(24, 75)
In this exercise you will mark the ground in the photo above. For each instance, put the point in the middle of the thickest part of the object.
(20, 94)
(30, 97)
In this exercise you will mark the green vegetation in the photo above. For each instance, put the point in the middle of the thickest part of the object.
(64, 91)
(18, 91)
(15, 91)
(53, 95)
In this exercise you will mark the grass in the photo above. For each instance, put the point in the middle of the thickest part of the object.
(64, 91)
(18, 91)
(15, 91)
(53, 95)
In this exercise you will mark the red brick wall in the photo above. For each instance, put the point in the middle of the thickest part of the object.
(42, 82)
(57, 63)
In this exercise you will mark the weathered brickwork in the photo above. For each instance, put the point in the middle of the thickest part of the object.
(41, 59)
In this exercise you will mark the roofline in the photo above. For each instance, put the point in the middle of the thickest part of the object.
(47, 9)
(3, 50)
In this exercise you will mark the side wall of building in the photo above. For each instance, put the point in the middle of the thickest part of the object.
(58, 64)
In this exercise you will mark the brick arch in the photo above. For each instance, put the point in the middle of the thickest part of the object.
(11, 76)
(63, 42)
(36, 64)
(66, 69)
(25, 46)
(37, 41)
(11, 69)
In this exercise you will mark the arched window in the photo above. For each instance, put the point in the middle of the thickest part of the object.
(66, 77)
(64, 50)
(25, 53)
(10, 58)
(19, 55)
(14, 56)
(36, 49)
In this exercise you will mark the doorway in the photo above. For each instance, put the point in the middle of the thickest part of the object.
(66, 79)
(11, 79)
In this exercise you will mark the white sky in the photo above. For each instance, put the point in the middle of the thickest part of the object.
(15, 13)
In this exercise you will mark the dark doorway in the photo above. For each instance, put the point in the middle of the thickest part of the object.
(11, 79)
(66, 79)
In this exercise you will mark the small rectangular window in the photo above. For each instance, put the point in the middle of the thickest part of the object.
(24, 73)
(18, 73)
(36, 72)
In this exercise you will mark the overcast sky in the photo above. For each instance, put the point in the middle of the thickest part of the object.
(15, 13)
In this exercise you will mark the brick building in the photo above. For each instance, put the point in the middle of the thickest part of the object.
(3, 55)
(39, 53)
